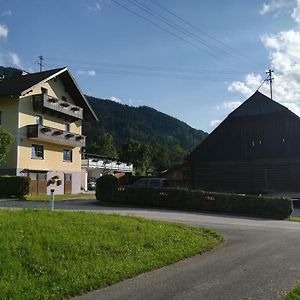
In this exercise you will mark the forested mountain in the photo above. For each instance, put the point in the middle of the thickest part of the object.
(8, 71)
(143, 123)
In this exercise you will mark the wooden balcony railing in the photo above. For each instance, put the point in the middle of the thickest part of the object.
(44, 102)
(55, 136)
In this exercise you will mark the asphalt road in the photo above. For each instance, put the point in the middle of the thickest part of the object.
(259, 259)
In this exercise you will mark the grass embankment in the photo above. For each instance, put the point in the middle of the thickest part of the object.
(61, 197)
(294, 219)
(294, 294)
(57, 254)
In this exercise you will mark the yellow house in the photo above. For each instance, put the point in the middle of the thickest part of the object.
(44, 112)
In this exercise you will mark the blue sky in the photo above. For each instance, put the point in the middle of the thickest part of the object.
(197, 70)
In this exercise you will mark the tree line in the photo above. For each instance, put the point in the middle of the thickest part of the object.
(147, 158)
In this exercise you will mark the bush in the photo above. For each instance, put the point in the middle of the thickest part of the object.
(14, 186)
(106, 187)
(278, 208)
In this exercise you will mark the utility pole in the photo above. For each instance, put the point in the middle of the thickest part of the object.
(270, 79)
(40, 62)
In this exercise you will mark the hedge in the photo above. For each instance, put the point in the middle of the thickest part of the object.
(106, 186)
(278, 208)
(14, 186)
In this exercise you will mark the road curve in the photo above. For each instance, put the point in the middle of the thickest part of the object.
(258, 260)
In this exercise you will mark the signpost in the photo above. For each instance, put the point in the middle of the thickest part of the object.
(55, 180)
(52, 199)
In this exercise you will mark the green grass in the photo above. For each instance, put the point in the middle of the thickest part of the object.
(295, 219)
(294, 294)
(61, 197)
(51, 255)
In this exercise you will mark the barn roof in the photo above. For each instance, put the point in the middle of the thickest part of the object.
(257, 104)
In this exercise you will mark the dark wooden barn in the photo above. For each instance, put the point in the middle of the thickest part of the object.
(256, 149)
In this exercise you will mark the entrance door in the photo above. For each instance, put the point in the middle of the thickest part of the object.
(68, 184)
(38, 183)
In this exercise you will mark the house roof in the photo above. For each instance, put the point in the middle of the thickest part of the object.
(22, 84)
(257, 104)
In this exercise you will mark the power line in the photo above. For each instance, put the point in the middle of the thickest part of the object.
(177, 27)
(195, 27)
(166, 30)
(144, 67)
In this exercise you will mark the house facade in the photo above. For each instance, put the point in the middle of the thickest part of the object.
(44, 112)
(256, 149)
(94, 166)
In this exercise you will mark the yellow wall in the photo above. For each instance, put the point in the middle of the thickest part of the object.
(53, 154)
(53, 157)
(9, 109)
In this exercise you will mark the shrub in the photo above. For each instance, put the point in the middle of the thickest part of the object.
(14, 186)
(106, 187)
(278, 208)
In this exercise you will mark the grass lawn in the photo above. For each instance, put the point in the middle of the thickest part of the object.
(61, 197)
(51, 255)
(295, 219)
(294, 294)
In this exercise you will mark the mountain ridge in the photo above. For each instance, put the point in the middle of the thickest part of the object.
(144, 123)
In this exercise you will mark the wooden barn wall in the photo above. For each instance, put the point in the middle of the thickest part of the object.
(248, 176)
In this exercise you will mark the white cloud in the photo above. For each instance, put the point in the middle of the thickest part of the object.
(90, 73)
(215, 123)
(229, 105)
(6, 13)
(115, 99)
(248, 86)
(14, 59)
(284, 55)
(276, 5)
(98, 6)
(3, 31)
(95, 7)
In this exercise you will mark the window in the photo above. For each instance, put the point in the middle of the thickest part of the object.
(39, 120)
(64, 98)
(66, 127)
(67, 155)
(37, 151)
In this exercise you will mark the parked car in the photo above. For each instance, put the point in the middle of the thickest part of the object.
(146, 183)
(91, 184)
(150, 183)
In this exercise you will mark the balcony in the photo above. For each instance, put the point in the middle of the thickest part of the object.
(44, 102)
(104, 164)
(55, 136)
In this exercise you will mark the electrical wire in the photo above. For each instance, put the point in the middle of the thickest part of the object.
(168, 31)
(178, 27)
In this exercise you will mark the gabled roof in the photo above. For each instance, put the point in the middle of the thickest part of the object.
(18, 84)
(257, 104)
(22, 84)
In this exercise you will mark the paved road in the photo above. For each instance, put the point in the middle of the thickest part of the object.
(258, 260)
